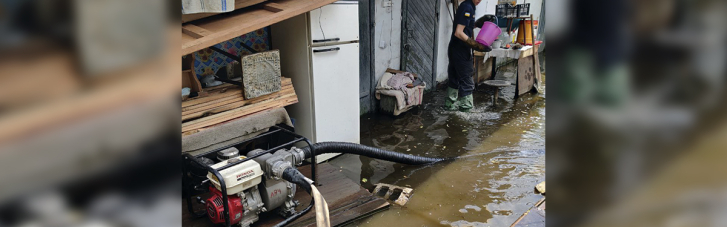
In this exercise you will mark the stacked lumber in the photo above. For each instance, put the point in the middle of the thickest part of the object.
(226, 102)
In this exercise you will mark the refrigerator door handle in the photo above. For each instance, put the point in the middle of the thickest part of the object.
(326, 40)
(326, 50)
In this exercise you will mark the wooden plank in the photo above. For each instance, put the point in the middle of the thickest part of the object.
(194, 31)
(534, 217)
(275, 100)
(525, 75)
(225, 105)
(217, 94)
(239, 4)
(225, 100)
(241, 112)
(273, 7)
(194, 84)
(186, 78)
(240, 22)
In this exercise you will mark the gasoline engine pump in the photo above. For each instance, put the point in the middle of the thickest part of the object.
(253, 186)
(240, 187)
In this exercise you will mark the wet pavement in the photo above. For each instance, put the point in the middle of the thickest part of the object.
(501, 154)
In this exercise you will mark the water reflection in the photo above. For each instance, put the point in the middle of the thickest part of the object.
(501, 154)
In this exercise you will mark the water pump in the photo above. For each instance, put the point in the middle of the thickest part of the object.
(252, 187)
(240, 187)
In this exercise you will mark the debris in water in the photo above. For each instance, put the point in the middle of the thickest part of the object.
(421, 126)
(473, 207)
(464, 211)
(364, 180)
(464, 130)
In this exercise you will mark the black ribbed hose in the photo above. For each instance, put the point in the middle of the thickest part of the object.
(371, 152)
(294, 176)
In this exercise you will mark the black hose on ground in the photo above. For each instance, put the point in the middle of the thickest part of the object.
(371, 152)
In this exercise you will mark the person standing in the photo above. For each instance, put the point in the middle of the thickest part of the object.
(460, 70)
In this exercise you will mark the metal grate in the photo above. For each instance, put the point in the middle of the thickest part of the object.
(217, 201)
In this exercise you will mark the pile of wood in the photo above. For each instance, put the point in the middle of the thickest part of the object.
(224, 103)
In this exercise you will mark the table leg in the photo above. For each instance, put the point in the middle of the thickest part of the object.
(497, 93)
(476, 75)
(532, 30)
(494, 68)
(509, 28)
(517, 79)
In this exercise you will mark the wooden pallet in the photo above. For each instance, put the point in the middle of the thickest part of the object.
(226, 103)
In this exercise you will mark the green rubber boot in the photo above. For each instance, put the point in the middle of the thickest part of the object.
(466, 103)
(451, 102)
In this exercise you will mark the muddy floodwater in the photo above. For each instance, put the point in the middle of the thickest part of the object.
(501, 157)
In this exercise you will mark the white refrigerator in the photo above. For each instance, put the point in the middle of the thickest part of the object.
(319, 51)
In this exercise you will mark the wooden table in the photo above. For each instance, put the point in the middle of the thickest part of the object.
(528, 69)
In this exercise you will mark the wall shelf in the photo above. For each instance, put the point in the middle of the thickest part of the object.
(203, 33)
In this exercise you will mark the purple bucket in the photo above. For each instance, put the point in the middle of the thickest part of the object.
(488, 33)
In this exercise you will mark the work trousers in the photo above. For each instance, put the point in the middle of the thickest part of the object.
(460, 70)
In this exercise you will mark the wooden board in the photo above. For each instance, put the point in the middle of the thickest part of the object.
(239, 4)
(226, 99)
(529, 52)
(188, 73)
(525, 75)
(231, 108)
(230, 25)
(483, 69)
(346, 199)
(534, 217)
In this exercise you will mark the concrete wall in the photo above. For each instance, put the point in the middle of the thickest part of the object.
(387, 32)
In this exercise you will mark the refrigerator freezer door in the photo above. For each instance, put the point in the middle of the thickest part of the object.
(335, 21)
(335, 92)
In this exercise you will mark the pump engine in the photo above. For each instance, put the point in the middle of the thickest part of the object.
(252, 186)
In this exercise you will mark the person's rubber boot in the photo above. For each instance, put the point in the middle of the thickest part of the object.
(451, 102)
(466, 103)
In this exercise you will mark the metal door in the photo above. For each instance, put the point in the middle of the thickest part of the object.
(419, 38)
